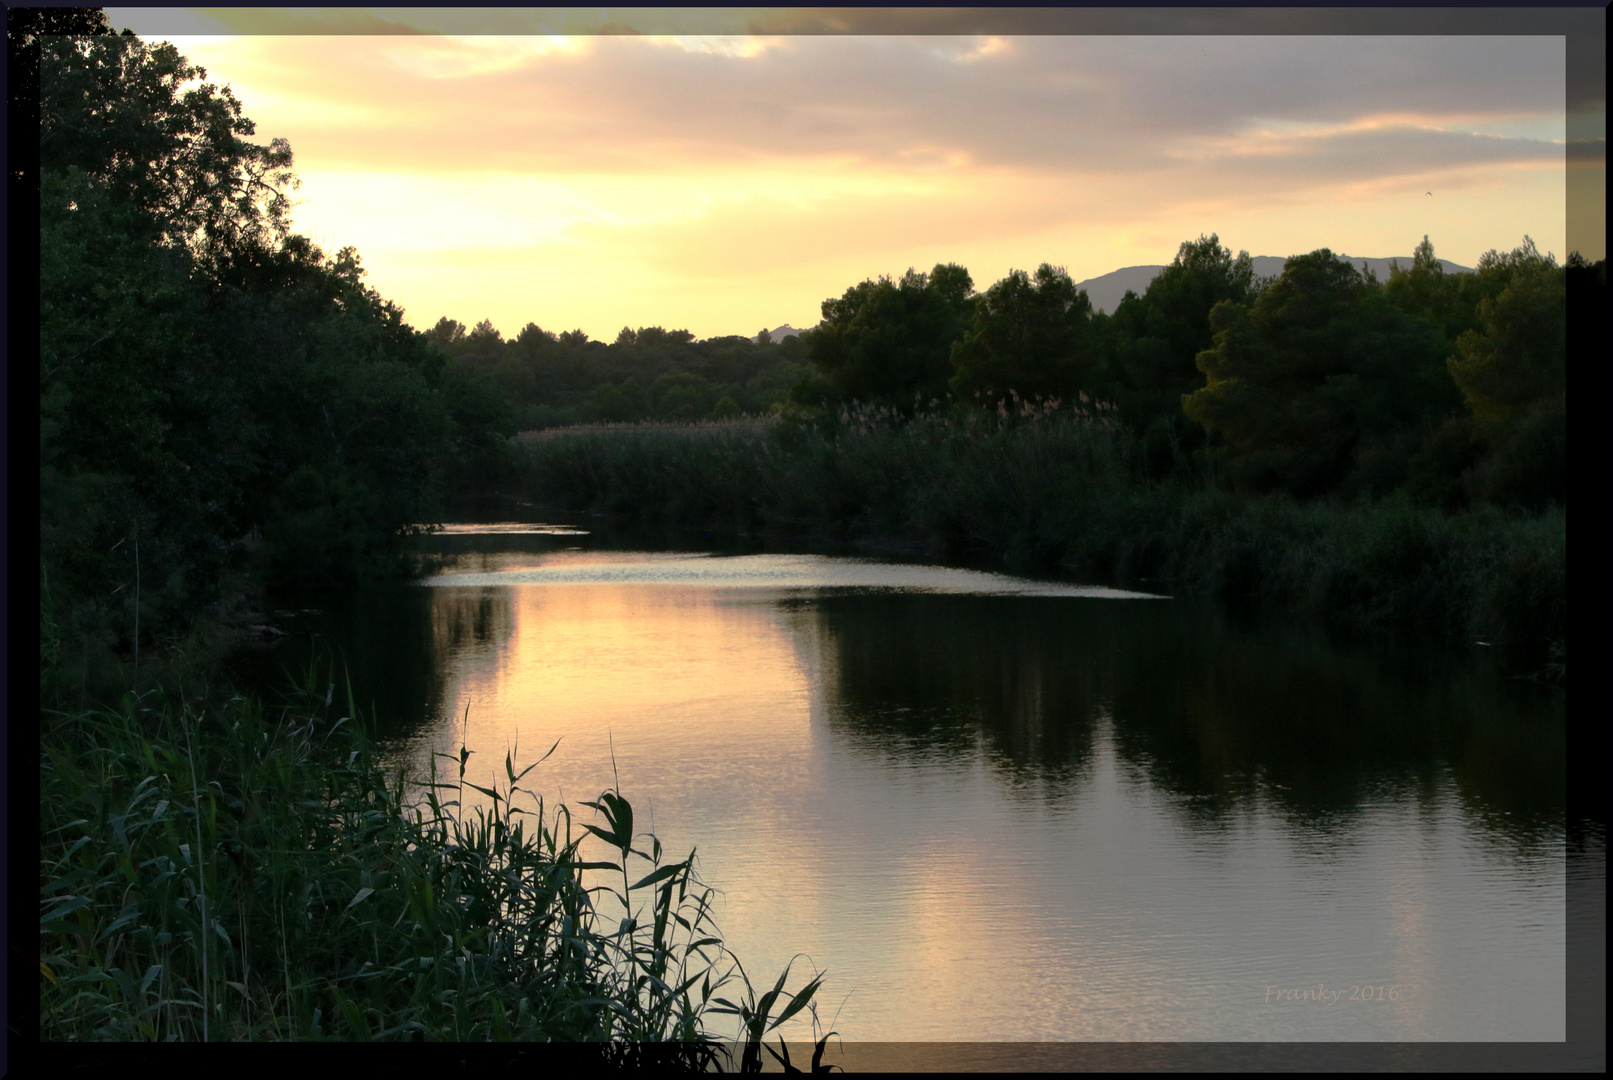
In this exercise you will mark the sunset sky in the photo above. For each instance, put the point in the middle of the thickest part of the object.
(723, 182)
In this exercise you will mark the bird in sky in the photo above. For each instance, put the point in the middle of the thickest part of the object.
(1428, 193)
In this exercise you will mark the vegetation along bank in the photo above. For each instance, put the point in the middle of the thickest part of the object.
(225, 407)
(1384, 453)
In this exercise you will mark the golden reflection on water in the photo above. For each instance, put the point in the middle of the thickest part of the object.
(697, 706)
(655, 676)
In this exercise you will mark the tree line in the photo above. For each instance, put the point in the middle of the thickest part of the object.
(1320, 381)
(552, 380)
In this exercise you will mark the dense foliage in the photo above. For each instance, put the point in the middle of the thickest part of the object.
(217, 396)
(222, 405)
(550, 379)
(1066, 490)
(889, 342)
(1032, 337)
(1320, 382)
(1319, 361)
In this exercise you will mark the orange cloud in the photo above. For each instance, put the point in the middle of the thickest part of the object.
(709, 174)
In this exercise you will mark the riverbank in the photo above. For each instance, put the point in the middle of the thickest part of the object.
(215, 869)
(1067, 492)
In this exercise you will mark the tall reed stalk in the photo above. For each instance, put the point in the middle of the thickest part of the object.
(317, 903)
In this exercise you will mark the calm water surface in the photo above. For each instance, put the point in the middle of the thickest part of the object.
(1002, 809)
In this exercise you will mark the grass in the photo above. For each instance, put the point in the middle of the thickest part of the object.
(1045, 488)
(235, 873)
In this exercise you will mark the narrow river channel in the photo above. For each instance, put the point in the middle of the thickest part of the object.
(998, 809)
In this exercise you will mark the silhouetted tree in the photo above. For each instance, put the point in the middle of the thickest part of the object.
(1518, 355)
(1318, 360)
(25, 27)
(111, 107)
(1153, 340)
(447, 335)
(204, 372)
(889, 342)
(1031, 336)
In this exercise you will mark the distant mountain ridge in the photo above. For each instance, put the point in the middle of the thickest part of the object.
(1107, 290)
(776, 336)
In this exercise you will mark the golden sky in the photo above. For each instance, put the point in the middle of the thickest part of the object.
(727, 182)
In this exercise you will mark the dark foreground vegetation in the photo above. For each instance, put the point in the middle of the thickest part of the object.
(235, 872)
(224, 406)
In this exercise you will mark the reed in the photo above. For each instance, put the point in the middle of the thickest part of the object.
(1045, 486)
(236, 872)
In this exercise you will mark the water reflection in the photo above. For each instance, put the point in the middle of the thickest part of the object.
(1211, 712)
(999, 809)
(385, 642)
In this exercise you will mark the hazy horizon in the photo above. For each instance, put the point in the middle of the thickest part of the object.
(724, 183)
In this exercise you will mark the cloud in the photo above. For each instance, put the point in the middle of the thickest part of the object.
(438, 59)
(1354, 154)
(642, 104)
(716, 163)
(741, 47)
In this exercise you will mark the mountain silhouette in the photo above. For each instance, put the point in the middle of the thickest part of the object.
(1107, 290)
(776, 336)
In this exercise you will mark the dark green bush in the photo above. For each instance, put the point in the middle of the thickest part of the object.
(1527, 466)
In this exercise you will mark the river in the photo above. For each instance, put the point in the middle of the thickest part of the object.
(1002, 809)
